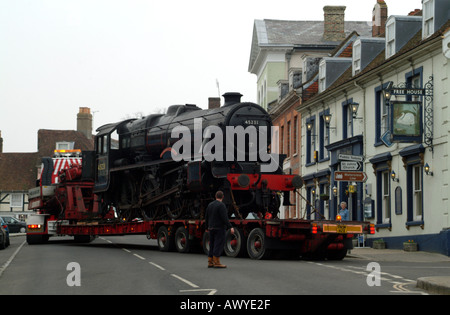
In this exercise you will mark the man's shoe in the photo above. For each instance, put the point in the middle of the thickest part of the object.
(217, 263)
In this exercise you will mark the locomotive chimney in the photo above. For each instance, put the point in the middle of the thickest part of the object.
(232, 98)
(84, 122)
(213, 102)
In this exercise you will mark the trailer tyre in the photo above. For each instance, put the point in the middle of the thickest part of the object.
(256, 245)
(182, 242)
(205, 242)
(165, 240)
(235, 244)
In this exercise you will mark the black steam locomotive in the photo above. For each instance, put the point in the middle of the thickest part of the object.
(170, 166)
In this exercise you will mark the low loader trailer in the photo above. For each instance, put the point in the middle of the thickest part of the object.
(66, 205)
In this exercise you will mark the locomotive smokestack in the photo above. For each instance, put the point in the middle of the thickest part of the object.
(232, 98)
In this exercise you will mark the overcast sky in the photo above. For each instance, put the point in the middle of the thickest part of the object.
(121, 57)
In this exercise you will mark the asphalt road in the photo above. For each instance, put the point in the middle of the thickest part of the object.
(133, 265)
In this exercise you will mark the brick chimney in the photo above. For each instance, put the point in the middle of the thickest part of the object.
(1, 142)
(334, 23)
(379, 18)
(84, 122)
(213, 102)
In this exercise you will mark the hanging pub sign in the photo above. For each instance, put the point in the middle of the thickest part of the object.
(406, 121)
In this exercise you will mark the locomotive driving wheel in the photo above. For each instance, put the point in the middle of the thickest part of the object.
(148, 191)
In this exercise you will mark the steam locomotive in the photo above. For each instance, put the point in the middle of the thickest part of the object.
(169, 166)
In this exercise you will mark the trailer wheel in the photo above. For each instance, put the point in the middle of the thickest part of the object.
(256, 245)
(205, 242)
(182, 242)
(164, 239)
(37, 239)
(235, 244)
(337, 254)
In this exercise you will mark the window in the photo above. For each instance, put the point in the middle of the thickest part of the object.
(412, 157)
(386, 198)
(417, 192)
(322, 76)
(347, 121)
(310, 140)
(282, 140)
(356, 57)
(288, 144)
(65, 145)
(381, 114)
(324, 137)
(428, 18)
(295, 134)
(381, 164)
(16, 201)
(390, 38)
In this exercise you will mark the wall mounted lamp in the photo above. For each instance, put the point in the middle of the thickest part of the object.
(327, 120)
(335, 191)
(427, 170)
(354, 107)
(394, 177)
(387, 93)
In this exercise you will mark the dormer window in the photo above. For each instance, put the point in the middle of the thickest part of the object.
(322, 76)
(428, 18)
(390, 38)
(357, 57)
(399, 31)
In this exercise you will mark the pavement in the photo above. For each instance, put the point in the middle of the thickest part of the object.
(436, 285)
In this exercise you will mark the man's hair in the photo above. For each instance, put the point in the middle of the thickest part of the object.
(219, 195)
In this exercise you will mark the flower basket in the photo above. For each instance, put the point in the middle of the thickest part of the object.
(379, 244)
(324, 197)
(410, 246)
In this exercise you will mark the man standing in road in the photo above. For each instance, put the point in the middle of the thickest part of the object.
(217, 223)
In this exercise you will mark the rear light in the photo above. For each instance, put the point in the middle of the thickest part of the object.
(372, 229)
(34, 226)
(338, 218)
(314, 229)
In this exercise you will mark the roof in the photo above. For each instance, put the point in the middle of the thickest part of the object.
(17, 171)
(48, 138)
(279, 32)
(414, 43)
(282, 33)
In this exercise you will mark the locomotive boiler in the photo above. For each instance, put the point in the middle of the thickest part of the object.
(169, 166)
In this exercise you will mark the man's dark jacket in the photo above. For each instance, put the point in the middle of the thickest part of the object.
(216, 216)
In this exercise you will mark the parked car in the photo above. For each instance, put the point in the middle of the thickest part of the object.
(14, 225)
(4, 234)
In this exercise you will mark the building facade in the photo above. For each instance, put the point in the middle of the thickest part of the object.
(385, 116)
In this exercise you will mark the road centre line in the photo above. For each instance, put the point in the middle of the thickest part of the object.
(156, 265)
(212, 291)
(185, 281)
